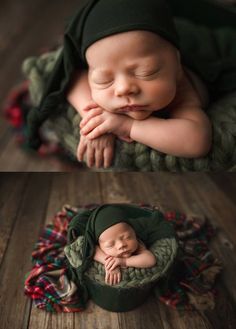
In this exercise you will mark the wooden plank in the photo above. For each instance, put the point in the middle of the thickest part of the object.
(49, 15)
(74, 189)
(224, 315)
(35, 18)
(144, 316)
(219, 207)
(15, 159)
(11, 193)
(17, 256)
(226, 183)
(11, 28)
(172, 319)
(113, 187)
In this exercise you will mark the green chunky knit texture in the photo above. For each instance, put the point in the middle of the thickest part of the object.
(136, 156)
(165, 251)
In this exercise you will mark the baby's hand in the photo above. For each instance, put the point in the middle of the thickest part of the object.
(98, 122)
(99, 151)
(113, 262)
(113, 277)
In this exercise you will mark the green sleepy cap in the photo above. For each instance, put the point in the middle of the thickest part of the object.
(93, 21)
(108, 216)
(106, 18)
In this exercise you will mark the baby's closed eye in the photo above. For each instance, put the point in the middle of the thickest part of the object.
(147, 73)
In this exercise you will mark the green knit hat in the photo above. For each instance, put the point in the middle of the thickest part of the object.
(93, 21)
(108, 216)
(105, 19)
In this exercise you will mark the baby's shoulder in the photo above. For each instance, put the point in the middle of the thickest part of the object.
(190, 91)
(141, 247)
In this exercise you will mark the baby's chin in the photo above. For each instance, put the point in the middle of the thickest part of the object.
(139, 115)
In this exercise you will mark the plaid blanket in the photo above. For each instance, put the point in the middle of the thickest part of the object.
(190, 286)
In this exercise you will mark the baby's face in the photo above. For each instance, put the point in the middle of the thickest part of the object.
(118, 240)
(133, 73)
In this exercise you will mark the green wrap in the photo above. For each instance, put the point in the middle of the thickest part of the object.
(149, 225)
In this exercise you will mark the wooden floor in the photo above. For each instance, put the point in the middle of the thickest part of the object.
(29, 200)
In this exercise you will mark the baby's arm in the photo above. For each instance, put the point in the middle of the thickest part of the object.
(186, 133)
(111, 276)
(100, 151)
(99, 255)
(142, 259)
(79, 93)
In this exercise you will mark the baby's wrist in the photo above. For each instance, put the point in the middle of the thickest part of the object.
(128, 127)
(123, 262)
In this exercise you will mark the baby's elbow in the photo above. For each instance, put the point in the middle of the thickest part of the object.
(202, 147)
(200, 144)
(151, 261)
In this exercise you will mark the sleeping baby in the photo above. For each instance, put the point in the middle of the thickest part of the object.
(133, 85)
(121, 68)
(119, 247)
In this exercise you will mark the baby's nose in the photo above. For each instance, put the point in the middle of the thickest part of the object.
(125, 87)
(120, 244)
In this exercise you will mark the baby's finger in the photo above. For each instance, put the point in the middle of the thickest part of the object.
(90, 156)
(91, 125)
(108, 156)
(114, 278)
(90, 107)
(118, 277)
(107, 277)
(112, 266)
(80, 151)
(92, 113)
(99, 158)
(98, 131)
(111, 279)
(108, 264)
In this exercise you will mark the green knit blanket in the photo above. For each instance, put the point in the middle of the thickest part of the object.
(135, 156)
(165, 251)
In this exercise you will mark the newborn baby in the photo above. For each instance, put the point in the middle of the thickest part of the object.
(131, 77)
(118, 247)
(121, 69)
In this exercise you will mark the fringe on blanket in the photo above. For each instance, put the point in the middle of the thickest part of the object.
(191, 287)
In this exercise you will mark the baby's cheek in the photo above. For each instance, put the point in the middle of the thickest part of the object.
(101, 98)
(163, 93)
